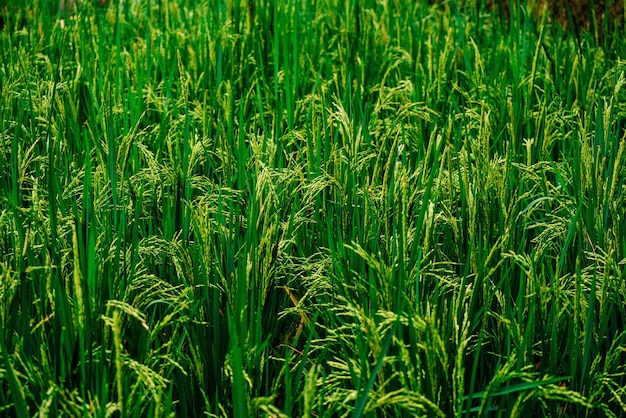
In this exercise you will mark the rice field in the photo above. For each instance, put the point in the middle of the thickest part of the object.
(311, 208)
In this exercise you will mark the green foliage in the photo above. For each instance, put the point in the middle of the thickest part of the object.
(310, 209)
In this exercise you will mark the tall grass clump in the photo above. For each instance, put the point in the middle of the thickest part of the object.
(330, 208)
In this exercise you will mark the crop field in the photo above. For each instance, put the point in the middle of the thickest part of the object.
(312, 208)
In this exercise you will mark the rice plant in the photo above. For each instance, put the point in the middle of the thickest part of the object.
(297, 208)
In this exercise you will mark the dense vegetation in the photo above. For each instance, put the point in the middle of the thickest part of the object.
(310, 208)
